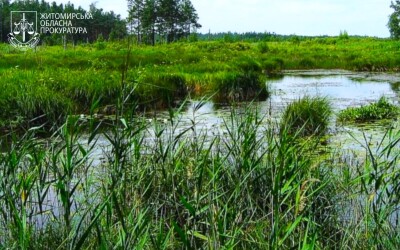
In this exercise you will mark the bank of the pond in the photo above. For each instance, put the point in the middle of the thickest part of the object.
(51, 82)
(342, 89)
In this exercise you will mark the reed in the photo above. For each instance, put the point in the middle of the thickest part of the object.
(162, 185)
(247, 187)
(55, 81)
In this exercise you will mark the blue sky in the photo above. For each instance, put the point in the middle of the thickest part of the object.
(301, 17)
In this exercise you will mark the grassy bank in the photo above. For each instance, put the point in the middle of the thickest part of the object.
(52, 82)
(247, 188)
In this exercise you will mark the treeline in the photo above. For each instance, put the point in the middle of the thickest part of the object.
(269, 37)
(149, 21)
(104, 25)
(238, 37)
(162, 21)
(253, 37)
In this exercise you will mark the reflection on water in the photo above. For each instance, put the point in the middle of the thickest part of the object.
(343, 90)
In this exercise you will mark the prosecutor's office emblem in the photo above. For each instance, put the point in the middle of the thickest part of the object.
(24, 33)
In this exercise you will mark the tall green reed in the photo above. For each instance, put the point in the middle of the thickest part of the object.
(169, 184)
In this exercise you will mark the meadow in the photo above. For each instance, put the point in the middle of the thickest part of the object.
(259, 184)
(52, 82)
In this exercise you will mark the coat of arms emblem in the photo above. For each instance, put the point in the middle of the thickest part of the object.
(23, 30)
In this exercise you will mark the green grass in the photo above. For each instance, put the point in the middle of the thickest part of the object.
(307, 116)
(246, 188)
(164, 74)
(379, 110)
(182, 189)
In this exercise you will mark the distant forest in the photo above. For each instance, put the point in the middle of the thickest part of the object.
(149, 21)
(104, 25)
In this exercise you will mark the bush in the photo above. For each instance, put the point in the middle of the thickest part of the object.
(307, 116)
(238, 86)
(306, 63)
(382, 109)
(263, 47)
(272, 66)
(160, 88)
(100, 45)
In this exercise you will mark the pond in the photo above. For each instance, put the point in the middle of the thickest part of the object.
(342, 88)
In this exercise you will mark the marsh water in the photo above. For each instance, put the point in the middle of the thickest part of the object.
(343, 89)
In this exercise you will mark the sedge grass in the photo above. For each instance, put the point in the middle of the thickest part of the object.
(307, 116)
(248, 187)
(77, 76)
(382, 109)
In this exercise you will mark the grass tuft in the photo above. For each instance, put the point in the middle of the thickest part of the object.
(307, 116)
(382, 109)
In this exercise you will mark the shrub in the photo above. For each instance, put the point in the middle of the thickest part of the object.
(307, 116)
(238, 86)
(247, 64)
(160, 88)
(306, 63)
(263, 47)
(272, 66)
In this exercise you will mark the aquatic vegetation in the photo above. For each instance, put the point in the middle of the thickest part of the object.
(80, 74)
(382, 109)
(158, 185)
(248, 187)
(307, 116)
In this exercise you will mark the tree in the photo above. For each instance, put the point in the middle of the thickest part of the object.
(149, 20)
(118, 31)
(164, 20)
(4, 19)
(135, 16)
(168, 19)
(188, 17)
(394, 20)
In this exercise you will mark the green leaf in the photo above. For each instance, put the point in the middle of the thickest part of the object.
(198, 235)
(189, 207)
(290, 229)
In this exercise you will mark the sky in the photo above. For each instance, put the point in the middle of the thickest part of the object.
(300, 17)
